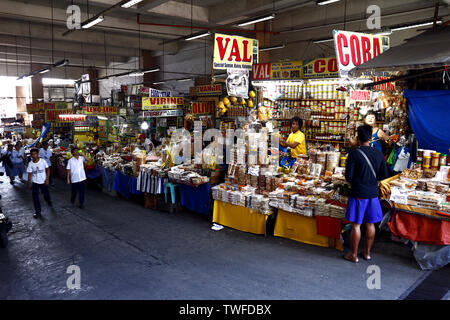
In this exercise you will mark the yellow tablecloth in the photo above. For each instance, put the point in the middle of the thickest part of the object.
(240, 218)
(303, 229)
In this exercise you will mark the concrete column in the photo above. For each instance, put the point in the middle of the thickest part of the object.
(149, 62)
(93, 74)
(264, 41)
(37, 89)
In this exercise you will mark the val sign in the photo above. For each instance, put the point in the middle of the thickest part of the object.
(353, 49)
(234, 52)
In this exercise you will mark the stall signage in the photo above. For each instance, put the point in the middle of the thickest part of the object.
(52, 115)
(100, 110)
(71, 117)
(62, 105)
(320, 68)
(261, 71)
(388, 86)
(288, 70)
(361, 95)
(209, 90)
(162, 113)
(150, 92)
(234, 52)
(33, 108)
(157, 103)
(353, 49)
(202, 107)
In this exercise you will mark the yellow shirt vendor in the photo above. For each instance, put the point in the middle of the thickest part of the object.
(296, 140)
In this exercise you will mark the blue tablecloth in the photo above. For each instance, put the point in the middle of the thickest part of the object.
(108, 177)
(197, 199)
(94, 173)
(125, 185)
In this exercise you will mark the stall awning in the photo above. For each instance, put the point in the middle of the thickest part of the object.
(427, 50)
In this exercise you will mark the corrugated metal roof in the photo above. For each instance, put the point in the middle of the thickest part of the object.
(427, 50)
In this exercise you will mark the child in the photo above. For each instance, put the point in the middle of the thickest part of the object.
(38, 175)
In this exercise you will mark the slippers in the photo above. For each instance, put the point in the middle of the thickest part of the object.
(350, 258)
(366, 257)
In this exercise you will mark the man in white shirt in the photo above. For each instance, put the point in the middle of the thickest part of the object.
(76, 176)
(45, 153)
(38, 175)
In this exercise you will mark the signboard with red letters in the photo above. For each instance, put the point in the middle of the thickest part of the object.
(234, 52)
(361, 95)
(320, 68)
(100, 110)
(204, 107)
(354, 48)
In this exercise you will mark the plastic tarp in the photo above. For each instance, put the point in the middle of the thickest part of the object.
(196, 199)
(431, 257)
(429, 116)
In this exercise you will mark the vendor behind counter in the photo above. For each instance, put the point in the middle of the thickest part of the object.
(296, 142)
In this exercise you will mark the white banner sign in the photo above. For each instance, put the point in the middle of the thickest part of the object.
(162, 113)
(361, 95)
(353, 49)
(237, 83)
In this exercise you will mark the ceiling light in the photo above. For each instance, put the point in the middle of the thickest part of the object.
(416, 25)
(93, 22)
(144, 125)
(53, 81)
(44, 71)
(323, 40)
(61, 63)
(187, 79)
(198, 35)
(324, 2)
(272, 16)
(272, 48)
(160, 82)
(130, 3)
(384, 33)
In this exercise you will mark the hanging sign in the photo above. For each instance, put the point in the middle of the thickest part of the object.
(71, 117)
(320, 68)
(52, 115)
(353, 49)
(361, 95)
(100, 110)
(205, 107)
(150, 92)
(388, 86)
(286, 70)
(261, 71)
(159, 103)
(209, 90)
(234, 52)
(237, 83)
(162, 113)
(33, 108)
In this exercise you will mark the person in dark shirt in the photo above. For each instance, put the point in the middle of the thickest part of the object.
(365, 167)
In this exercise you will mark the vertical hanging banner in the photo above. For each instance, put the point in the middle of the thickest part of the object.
(234, 52)
(237, 83)
(353, 49)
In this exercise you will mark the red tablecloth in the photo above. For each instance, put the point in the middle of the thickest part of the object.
(420, 228)
(328, 226)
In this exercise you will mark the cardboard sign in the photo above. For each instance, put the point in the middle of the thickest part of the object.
(158, 103)
(202, 107)
(100, 110)
(320, 68)
(361, 95)
(162, 113)
(52, 115)
(209, 90)
(353, 49)
(234, 52)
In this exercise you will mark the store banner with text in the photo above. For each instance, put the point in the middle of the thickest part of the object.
(361, 95)
(234, 52)
(162, 113)
(388, 86)
(150, 92)
(205, 107)
(209, 90)
(52, 115)
(160, 103)
(71, 117)
(320, 68)
(100, 110)
(289, 70)
(354, 48)
(237, 83)
(33, 108)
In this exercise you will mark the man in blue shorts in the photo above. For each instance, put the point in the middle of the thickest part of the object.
(365, 167)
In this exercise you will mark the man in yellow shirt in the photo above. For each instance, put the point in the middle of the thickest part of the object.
(296, 140)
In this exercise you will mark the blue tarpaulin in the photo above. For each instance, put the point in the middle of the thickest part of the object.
(196, 199)
(429, 116)
(125, 184)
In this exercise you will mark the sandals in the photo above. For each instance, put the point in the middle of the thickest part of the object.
(349, 257)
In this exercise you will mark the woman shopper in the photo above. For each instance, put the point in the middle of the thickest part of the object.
(76, 176)
(377, 136)
(365, 167)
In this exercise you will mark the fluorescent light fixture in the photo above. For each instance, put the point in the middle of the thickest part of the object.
(61, 63)
(54, 81)
(130, 3)
(144, 125)
(150, 70)
(323, 40)
(44, 71)
(187, 79)
(384, 33)
(198, 35)
(324, 2)
(102, 118)
(272, 16)
(93, 22)
(416, 25)
(160, 82)
(134, 74)
(272, 48)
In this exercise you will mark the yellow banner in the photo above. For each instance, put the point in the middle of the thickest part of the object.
(286, 70)
(162, 103)
(234, 52)
(100, 110)
(320, 68)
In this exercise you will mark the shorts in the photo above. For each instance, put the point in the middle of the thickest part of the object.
(363, 210)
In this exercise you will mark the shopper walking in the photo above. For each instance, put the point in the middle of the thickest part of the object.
(38, 176)
(365, 167)
(17, 159)
(7, 162)
(76, 176)
(45, 153)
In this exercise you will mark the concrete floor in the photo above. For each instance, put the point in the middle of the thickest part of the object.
(125, 251)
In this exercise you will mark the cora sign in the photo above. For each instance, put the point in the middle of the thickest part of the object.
(353, 49)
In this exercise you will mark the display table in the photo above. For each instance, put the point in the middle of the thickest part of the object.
(125, 185)
(239, 218)
(303, 229)
(421, 225)
(196, 198)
